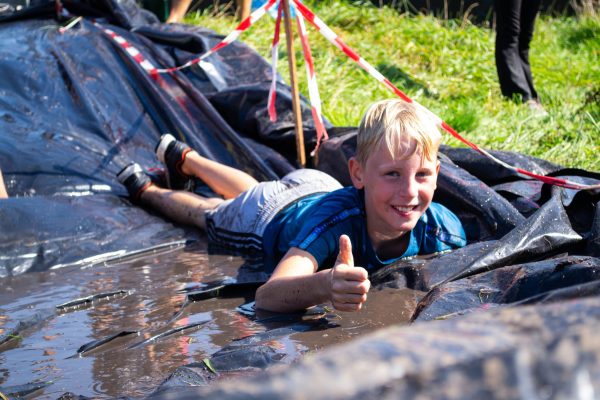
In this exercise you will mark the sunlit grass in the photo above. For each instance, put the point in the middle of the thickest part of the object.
(448, 66)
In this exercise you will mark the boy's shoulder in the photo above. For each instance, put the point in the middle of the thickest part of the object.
(437, 212)
(440, 224)
(347, 196)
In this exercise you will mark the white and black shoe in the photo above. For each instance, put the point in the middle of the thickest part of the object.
(135, 180)
(171, 152)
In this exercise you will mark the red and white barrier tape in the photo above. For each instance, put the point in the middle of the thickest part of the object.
(313, 89)
(232, 37)
(336, 41)
(131, 50)
(274, 57)
(175, 92)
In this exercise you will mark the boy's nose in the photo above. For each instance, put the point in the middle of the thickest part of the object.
(409, 188)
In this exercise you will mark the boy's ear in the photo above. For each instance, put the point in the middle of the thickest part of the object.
(356, 173)
(437, 172)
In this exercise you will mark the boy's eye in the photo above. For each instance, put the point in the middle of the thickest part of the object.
(424, 174)
(392, 173)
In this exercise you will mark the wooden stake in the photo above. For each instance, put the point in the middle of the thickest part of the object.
(294, 84)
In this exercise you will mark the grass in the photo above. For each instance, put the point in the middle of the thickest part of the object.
(448, 66)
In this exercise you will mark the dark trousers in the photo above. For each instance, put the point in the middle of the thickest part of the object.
(515, 20)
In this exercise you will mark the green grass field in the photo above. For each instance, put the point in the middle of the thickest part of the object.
(448, 66)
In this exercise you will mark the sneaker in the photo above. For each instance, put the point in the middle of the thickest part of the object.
(171, 153)
(135, 180)
(536, 108)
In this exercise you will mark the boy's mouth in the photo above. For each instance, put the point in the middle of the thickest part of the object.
(404, 209)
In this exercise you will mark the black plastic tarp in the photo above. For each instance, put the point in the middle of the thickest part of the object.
(76, 108)
(548, 351)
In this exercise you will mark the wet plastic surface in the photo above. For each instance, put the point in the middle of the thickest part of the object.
(140, 328)
(517, 353)
(75, 108)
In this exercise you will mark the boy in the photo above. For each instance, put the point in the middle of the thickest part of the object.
(307, 224)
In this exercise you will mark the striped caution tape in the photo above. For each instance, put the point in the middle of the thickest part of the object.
(176, 93)
(245, 24)
(339, 43)
(135, 54)
(274, 58)
(336, 41)
(313, 89)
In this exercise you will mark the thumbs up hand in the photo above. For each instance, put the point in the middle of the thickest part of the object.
(349, 284)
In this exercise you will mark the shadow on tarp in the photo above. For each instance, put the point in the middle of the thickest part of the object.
(543, 281)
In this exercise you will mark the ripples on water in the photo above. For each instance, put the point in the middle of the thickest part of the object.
(154, 283)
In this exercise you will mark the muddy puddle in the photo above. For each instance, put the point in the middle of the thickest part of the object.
(56, 350)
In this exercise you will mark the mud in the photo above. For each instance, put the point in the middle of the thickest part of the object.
(116, 345)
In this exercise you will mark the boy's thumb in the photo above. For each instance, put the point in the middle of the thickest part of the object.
(345, 254)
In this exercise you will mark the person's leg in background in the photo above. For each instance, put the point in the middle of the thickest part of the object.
(178, 10)
(180, 7)
(243, 8)
(529, 11)
(511, 73)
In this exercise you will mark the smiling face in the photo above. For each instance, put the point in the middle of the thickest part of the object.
(398, 189)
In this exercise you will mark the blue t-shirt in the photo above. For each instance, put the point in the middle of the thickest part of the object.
(315, 223)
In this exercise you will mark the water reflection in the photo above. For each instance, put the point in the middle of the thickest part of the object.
(155, 284)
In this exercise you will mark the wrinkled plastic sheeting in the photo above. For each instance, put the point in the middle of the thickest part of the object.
(81, 109)
(593, 247)
(493, 173)
(505, 353)
(544, 234)
(484, 213)
(85, 105)
(237, 83)
(58, 231)
(544, 281)
(75, 109)
(250, 354)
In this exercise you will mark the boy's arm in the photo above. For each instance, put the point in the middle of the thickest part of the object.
(296, 284)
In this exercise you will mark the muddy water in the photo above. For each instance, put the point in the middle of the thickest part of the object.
(153, 303)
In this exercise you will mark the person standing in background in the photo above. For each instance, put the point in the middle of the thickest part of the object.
(243, 8)
(515, 20)
(178, 10)
(180, 7)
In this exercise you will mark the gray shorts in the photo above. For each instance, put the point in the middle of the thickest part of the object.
(238, 224)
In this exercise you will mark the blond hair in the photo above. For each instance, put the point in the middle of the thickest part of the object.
(392, 122)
